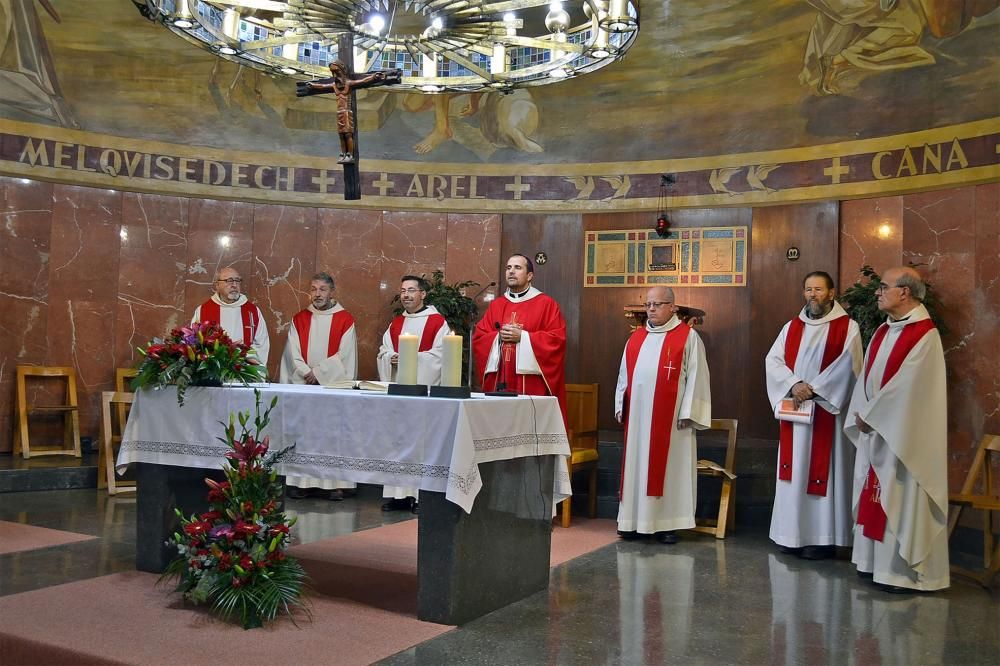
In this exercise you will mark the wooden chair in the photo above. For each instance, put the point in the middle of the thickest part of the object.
(107, 454)
(581, 413)
(70, 412)
(986, 501)
(727, 501)
(121, 385)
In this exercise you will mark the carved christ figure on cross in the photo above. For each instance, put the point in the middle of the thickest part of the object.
(343, 83)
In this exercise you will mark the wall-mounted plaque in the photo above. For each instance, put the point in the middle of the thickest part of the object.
(687, 257)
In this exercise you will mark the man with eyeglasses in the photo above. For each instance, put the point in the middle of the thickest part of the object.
(430, 326)
(322, 348)
(240, 319)
(520, 343)
(897, 421)
(663, 396)
(813, 363)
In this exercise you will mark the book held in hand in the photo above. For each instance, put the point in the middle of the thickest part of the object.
(786, 411)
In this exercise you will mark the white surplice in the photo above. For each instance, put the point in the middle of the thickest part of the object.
(675, 509)
(232, 323)
(799, 519)
(908, 448)
(326, 369)
(428, 368)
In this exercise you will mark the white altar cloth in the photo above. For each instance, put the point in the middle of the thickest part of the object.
(434, 444)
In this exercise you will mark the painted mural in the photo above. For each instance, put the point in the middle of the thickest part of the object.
(747, 100)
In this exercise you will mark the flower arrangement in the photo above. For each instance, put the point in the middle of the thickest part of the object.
(233, 555)
(199, 354)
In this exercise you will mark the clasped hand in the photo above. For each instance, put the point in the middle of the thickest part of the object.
(800, 393)
(510, 333)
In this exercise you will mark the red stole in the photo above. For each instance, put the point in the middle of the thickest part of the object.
(212, 311)
(340, 323)
(823, 421)
(664, 399)
(871, 515)
(431, 327)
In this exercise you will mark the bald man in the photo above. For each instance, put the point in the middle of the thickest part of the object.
(240, 319)
(663, 396)
(898, 423)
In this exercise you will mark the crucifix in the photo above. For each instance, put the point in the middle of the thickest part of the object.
(669, 367)
(342, 83)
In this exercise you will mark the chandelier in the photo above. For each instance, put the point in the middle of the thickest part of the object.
(440, 45)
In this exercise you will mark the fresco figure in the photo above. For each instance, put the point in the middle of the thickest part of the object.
(878, 35)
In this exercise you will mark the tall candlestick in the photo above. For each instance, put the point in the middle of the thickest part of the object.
(407, 372)
(451, 361)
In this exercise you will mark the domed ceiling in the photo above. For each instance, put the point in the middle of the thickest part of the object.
(745, 101)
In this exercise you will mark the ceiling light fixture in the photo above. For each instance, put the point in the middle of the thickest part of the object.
(493, 45)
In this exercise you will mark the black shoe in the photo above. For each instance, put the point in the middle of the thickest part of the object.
(296, 493)
(788, 550)
(628, 536)
(817, 552)
(667, 537)
(415, 508)
(397, 504)
(335, 495)
(865, 575)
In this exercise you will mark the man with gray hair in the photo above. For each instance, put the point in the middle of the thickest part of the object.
(898, 423)
(239, 318)
(322, 348)
(663, 396)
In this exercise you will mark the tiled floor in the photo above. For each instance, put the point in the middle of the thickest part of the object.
(701, 601)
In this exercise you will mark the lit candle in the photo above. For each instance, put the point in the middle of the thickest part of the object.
(407, 372)
(451, 361)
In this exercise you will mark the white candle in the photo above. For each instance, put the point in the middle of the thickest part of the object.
(451, 361)
(407, 372)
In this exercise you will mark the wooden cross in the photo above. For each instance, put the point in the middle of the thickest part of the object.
(343, 83)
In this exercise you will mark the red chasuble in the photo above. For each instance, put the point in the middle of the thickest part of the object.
(871, 515)
(212, 311)
(340, 324)
(431, 327)
(540, 316)
(823, 421)
(664, 397)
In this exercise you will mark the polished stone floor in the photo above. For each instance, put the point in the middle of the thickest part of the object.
(699, 602)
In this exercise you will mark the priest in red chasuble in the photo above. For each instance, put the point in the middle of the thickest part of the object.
(239, 318)
(663, 396)
(322, 348)
(520, 343)
(430, 326)
(813, 364)
(898, 422)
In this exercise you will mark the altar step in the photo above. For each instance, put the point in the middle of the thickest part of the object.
(47, 472)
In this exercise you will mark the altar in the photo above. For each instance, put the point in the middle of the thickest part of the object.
(488, 470)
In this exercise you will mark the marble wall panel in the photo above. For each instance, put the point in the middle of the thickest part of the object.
(284, 252)
(871, 233)
(152, 271)
(474, 252)
(349, 247)
(25, 230)
(220, 234)
(86, 223)
(986, 283)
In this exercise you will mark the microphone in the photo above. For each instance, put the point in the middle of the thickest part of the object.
(480, 293)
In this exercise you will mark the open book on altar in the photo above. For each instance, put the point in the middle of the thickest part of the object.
(359, 385)
(786, 411)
